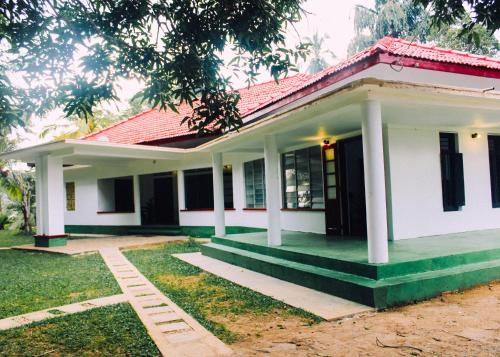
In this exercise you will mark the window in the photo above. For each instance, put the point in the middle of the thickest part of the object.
(303, 178)
(452, 172)
(70, 196)
(199, 189)
(116, 194)
(494, 150)
(255, 184)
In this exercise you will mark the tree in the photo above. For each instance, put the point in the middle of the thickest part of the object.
(388, 18)
(71, 53)
(452, 37)
(19, 187)
(412, 21)
(318, 58)
(485, 13)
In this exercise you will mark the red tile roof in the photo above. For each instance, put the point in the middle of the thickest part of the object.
(154, 125)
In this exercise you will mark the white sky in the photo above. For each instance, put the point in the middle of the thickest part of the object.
(334, 18)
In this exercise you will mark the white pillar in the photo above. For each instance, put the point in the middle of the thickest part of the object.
(373, 158)
(218, 180)
(50, 196)
(181, 196)
(273, 204)
(137, 199)
(39, 167)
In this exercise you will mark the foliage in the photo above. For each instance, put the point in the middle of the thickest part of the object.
(39, 281)
(4, 220)
(204, 296)
(19, 186)
(107, 331)
(451, 37)
(409, 20)
(318, 60)
(72, 53)
(388, 18)
(485, 13)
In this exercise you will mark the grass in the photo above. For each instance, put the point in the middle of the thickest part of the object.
(31, 281)
(206, 297)
(10, 238)
(107, 331)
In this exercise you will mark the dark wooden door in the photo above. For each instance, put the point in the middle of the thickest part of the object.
(331, 189)
(163, 200)
(353, 206)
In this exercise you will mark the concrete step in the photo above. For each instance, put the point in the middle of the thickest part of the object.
(378, 293)
(372, 271)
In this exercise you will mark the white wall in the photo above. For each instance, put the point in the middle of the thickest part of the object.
(415, 180)
(86, 193)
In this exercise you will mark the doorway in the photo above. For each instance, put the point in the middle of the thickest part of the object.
(345, 207)
(159, 199)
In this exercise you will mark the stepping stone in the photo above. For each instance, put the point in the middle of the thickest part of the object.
(141, 287)
(149, 303)
(6, 324)
(143, 292)
(40, 315)
(165, 317)
(174, 327)
(183, 337)
(158, 310)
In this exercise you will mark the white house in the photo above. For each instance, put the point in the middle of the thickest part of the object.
(400, 141)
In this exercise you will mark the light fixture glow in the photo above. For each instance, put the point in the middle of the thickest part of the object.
(476, 136)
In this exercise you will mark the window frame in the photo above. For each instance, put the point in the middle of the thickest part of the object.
(309, 150)
(228, 178)
(131, 203)
(253, 164)
(70, 196)
(452, 173)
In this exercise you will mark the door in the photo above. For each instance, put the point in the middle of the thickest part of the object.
(353, 188)
(332, 197)
(163, 201)
(344, 185)
(159, 199)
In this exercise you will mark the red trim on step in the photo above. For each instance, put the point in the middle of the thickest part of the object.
(50, 237)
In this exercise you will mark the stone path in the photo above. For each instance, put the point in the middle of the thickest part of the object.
(326, 306)
(26, 319)
(83, 246)
(174, 332)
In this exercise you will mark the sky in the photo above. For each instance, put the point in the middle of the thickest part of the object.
(332, 17)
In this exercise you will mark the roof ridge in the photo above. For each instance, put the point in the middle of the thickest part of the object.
(441, 49)
(117, 123)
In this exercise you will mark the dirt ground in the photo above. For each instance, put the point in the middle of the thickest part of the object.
(454, 324)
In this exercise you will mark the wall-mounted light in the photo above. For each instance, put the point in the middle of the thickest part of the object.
(326, 142)
(476, 136)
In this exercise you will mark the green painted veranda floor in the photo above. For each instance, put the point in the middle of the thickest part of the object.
(399, 251)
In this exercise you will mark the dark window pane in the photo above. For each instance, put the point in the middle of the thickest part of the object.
(199, 189)
(494, 154)
(124, 194)
(452, 176)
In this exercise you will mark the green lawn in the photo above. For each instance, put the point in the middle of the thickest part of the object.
(204, 296)
(31, 281)
(10, 238)
(108, 331)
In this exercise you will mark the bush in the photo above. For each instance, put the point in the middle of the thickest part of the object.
(4, 220)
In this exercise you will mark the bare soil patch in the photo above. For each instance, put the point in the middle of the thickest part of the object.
(454, 324)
